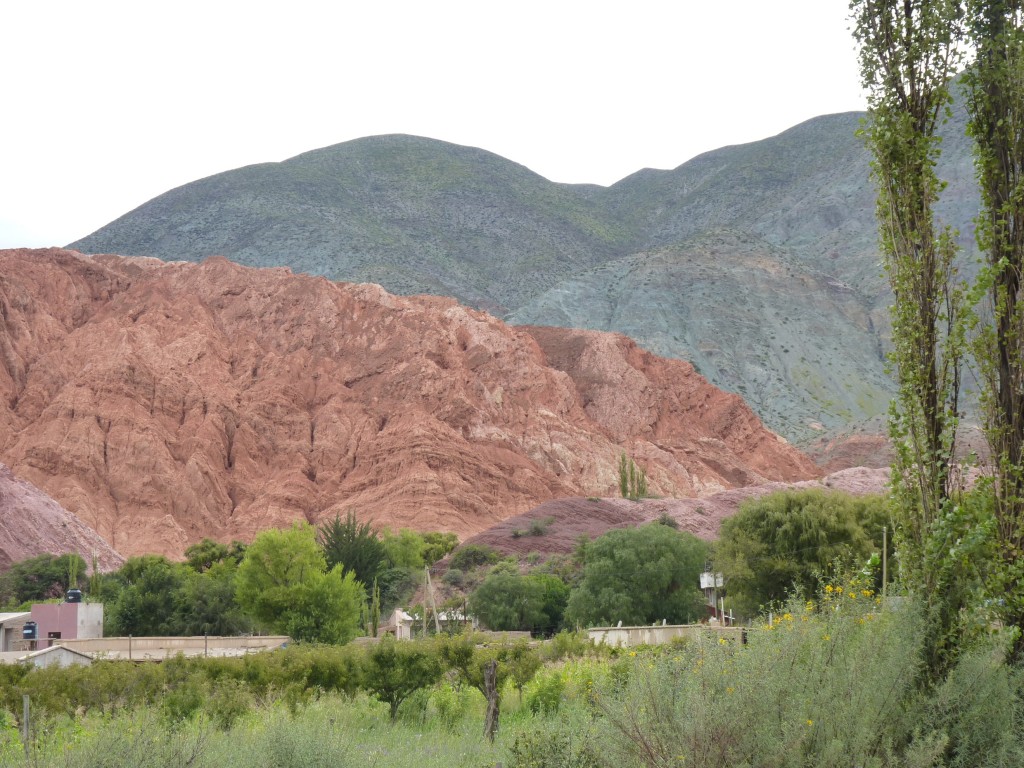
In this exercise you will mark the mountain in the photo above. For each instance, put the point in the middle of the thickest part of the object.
(31, 523)
(412, 214)
(757, 262)
(165, 402)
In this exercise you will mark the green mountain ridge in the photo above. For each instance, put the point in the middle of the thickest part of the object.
(757, 262)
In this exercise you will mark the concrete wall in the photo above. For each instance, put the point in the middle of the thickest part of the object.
(171, 645)
(628, 637)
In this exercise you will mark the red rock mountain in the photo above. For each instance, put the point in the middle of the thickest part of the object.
(164, 402)
(32, 523)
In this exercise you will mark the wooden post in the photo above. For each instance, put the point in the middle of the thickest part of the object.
(25, 730)
(433, 605)
(493, 703)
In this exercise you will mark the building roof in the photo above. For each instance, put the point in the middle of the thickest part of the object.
(55, 649)
(5, 617)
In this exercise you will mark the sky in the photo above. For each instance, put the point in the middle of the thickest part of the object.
(107, 104)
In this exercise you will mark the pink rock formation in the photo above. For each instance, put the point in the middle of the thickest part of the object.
(165, 402)
(563, 521)
(32, 523)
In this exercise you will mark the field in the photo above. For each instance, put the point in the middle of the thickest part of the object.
(835, 682)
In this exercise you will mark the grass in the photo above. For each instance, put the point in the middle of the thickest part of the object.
(833, 682)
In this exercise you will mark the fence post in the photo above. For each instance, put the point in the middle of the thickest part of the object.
(25, 731)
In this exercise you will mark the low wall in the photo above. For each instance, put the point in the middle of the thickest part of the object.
(163, 647)
(660, 634)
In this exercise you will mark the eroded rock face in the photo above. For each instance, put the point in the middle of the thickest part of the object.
(31, 523)
(164, 402)
(555, 527)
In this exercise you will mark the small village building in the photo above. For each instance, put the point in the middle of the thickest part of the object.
(11, 627)
(57, 656)
(66, 621)
(398, 624)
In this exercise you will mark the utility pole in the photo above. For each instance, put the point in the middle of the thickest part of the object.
(433, 605)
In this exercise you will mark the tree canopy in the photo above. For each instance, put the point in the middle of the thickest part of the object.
(283, 583)
(638, 576)
(507, 601)
(354, 546)
(789, 541)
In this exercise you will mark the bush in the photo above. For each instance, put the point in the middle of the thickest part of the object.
(454, 577)
(544, 693)
(835, 685)
(550, 745)
(450, 705)
(473, 556)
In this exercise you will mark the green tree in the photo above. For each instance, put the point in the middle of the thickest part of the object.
(40, 578)
(403, 549)
(488, 668)
(393, 670)
(470, 556)
(353, 546)
(508, 602)
(908, 54)
(789, 541)
(205, 604)
(995, 98)
(632, 479)
(146, 605)
(284, 584)
(202, 555)
(637, 576)
(437, 545)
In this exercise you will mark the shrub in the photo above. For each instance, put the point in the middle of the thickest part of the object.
(544, 693)
(549, 745)
(473, 556)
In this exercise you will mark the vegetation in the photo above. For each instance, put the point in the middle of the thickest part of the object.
(792, 542)
(41, 578)
(995, 96)
(393, 670)
(909, 52)
(637, 576)
(632, 479)
(284, 584)
(353, 546)
(510, 601)
(831, 681)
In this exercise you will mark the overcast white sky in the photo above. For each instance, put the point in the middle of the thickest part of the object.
(105, 105)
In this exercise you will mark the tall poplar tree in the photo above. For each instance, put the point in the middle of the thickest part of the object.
(908, 55)
(995, 98)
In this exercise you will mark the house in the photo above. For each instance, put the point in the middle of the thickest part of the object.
(11, 626)
(57, 656)
(66, 621)
(399, 624)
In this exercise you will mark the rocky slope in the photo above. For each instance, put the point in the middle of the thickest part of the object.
(32, 523)
(164, 402)
(563, 521)
(756, 262)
